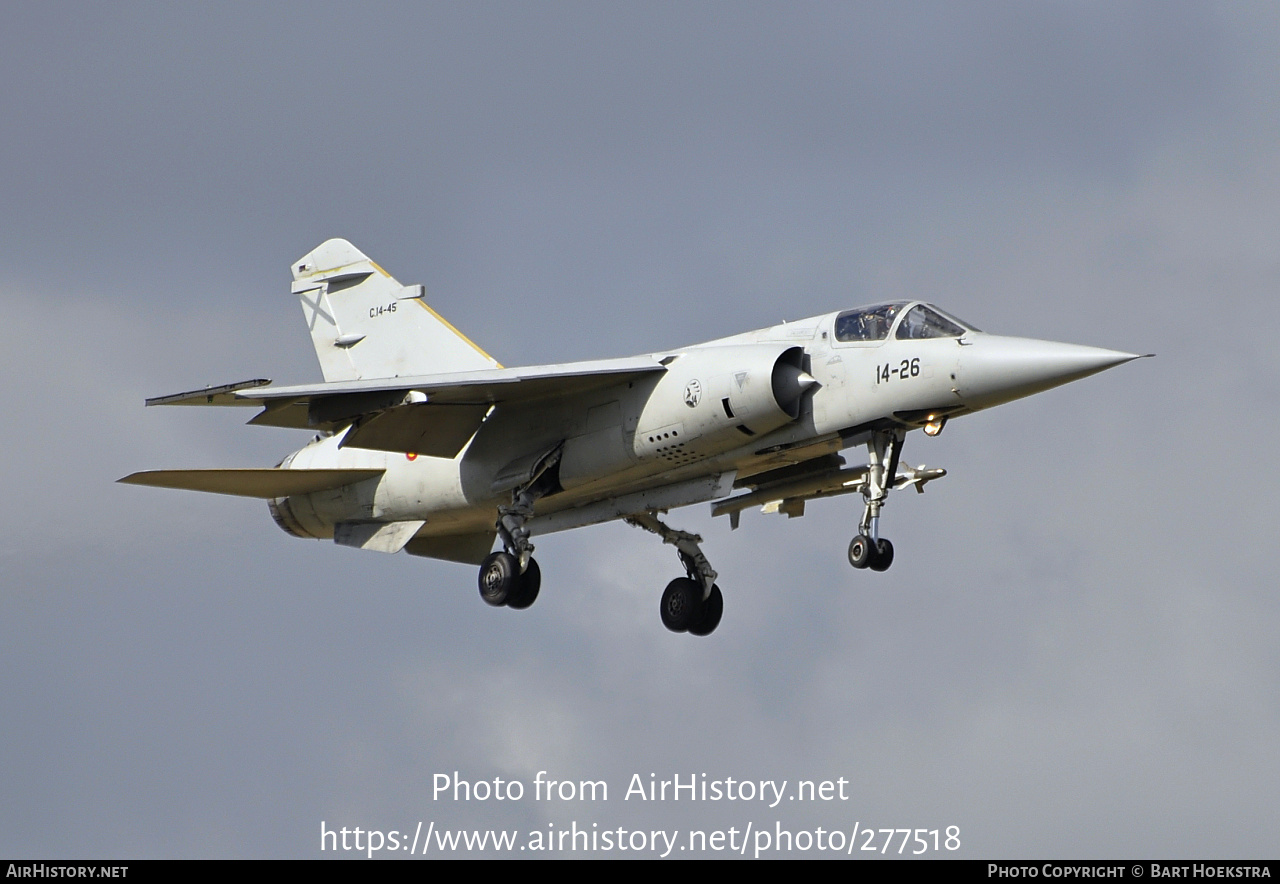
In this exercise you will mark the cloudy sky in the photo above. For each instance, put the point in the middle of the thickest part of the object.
(1075, 652)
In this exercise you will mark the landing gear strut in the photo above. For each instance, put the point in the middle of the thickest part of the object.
(511, 577)
(868, 549)
(691, 604)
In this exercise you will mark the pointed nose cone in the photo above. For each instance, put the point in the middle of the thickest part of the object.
(995, 369)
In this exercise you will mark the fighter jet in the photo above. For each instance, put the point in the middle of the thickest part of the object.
(424, 443)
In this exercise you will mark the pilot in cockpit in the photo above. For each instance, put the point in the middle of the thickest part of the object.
(868, 323)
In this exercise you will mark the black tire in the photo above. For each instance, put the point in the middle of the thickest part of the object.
(527, 587)
(712, 609)
(681, 604)
(862, 552)
(884, 555)
(499, 578)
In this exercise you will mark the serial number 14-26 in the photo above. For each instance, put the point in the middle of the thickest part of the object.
(907, 368)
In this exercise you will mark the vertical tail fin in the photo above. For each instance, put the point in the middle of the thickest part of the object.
(364, 324)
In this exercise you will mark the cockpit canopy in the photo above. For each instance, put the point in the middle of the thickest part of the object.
(914, 321)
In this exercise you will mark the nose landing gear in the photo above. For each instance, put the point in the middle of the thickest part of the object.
(868, 549)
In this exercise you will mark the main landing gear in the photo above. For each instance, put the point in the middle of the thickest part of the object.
(691, 604)
(512, 577)
(868, 549)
